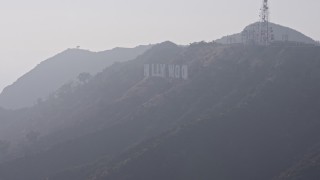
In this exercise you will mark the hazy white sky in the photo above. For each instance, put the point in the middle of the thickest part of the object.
(34, 30)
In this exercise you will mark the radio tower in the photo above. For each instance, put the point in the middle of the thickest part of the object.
(264, 24)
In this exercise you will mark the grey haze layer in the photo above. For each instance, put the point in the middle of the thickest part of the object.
(51, 74)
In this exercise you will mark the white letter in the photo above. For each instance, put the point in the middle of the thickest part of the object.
(184, 72)
(153, 73)
(146, 70)
(163, 70)
(171, 71)
(177, 71)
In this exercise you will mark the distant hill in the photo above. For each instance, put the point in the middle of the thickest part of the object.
(51, 74)
(281, 33)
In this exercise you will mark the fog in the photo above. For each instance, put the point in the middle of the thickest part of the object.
(32, 31)
(159, 90)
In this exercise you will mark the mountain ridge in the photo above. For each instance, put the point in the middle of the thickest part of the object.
(52, 73)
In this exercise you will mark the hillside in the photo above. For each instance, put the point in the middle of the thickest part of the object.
(265, 122)
(307, 168)
(81, 103)
(52, 73)
(249, 110)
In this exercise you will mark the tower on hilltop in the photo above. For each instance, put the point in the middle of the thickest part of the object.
(265, 32)
(260, 33)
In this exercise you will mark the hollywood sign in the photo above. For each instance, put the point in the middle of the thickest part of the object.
(166, 71)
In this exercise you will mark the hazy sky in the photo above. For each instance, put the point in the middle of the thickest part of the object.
(34, 30)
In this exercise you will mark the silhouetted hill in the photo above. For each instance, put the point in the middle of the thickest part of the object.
(246, 112)
(249, 113)
(51, 74)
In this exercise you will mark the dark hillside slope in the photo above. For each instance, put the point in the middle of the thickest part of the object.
(308, 168)
(251, 111)
(266, 120)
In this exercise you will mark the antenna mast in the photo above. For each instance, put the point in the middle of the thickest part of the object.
(264, 24)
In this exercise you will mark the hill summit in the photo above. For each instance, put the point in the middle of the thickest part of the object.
(281, 33)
